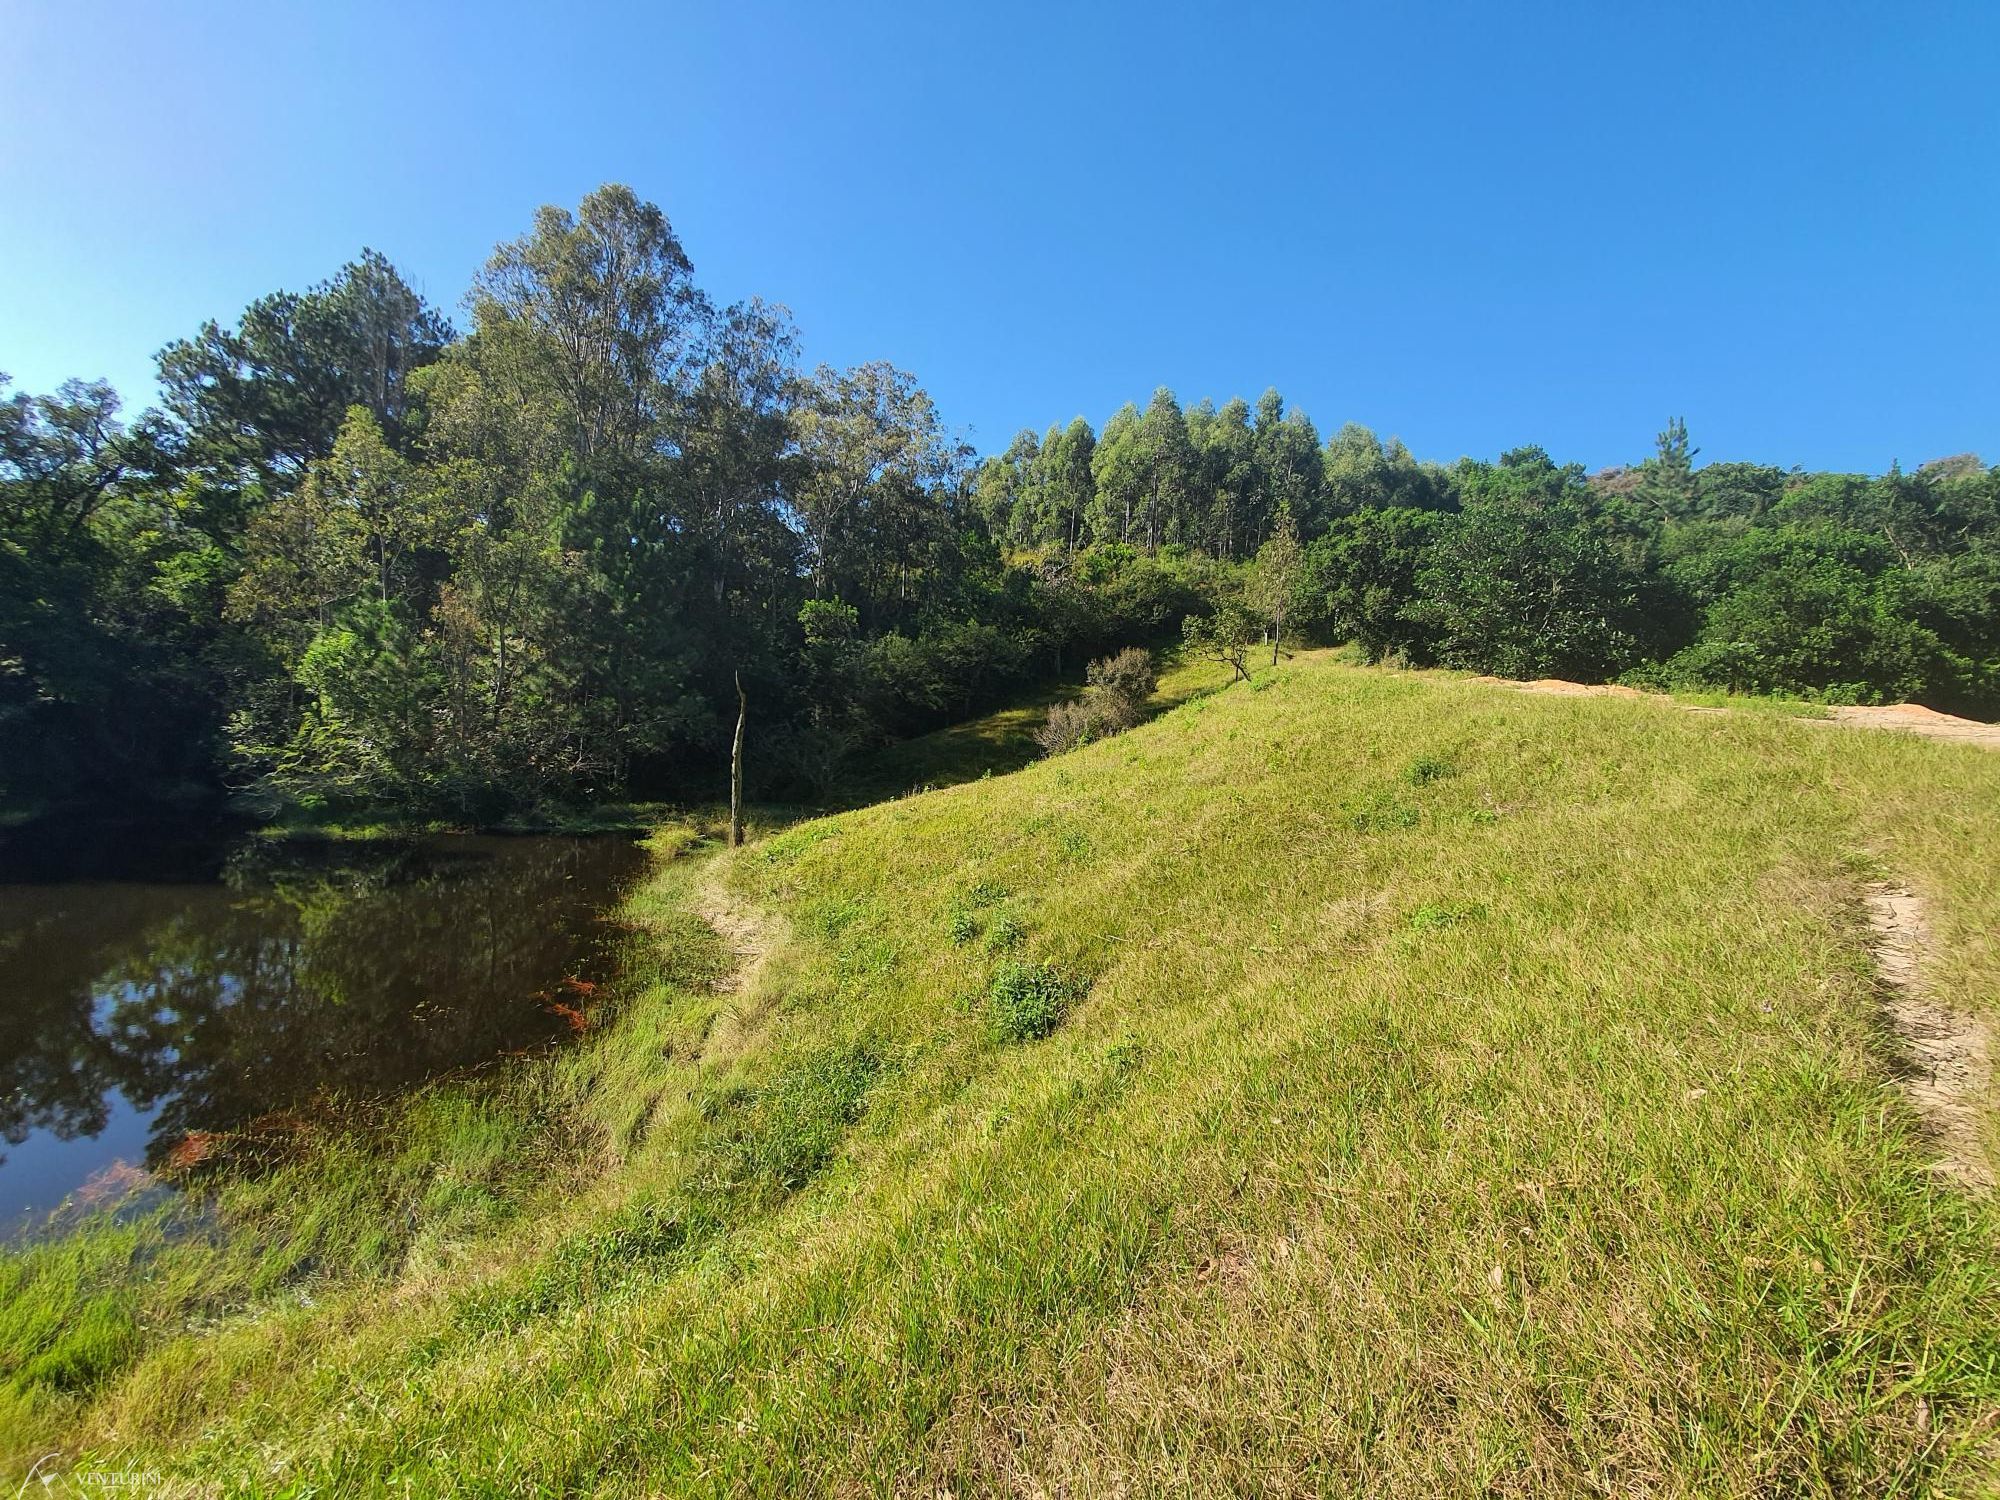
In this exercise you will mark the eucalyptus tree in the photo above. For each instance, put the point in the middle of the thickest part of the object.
(1003, 490)
(605, 317)
(879, 483)
(1231, 477)
(738, 470)
(1063, 486)
(1288, 459)
(1119, 477)
(1168, 460)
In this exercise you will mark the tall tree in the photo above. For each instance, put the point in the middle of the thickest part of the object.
(880, 477)
(605, 302)
(1168, 460)
(253, 406)
(1063, 485)
(1667, 481)
(1288, 454)
(1232, 476)
(1119, 474)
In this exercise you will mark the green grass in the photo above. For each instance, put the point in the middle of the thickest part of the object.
(1410, 1087)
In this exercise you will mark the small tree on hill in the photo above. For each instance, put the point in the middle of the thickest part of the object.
(1225, 636)
(1276, 577)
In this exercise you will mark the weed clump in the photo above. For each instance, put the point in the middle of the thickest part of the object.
(800, 1120)
(1428, 768)
(1025, 1002)
(1379, 812)
(1004, 934)
(1436, 916)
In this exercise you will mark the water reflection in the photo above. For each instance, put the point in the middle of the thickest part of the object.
(201, 1005)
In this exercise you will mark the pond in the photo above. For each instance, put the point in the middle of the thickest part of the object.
(155, 988)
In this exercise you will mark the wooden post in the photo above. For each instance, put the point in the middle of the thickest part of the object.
(736, 769)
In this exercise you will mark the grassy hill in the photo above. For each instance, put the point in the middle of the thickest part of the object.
(1348, 1081)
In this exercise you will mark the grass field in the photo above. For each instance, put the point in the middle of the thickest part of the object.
(1349, 1081)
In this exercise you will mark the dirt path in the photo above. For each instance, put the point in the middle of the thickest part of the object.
(1947, 1052)
(1912, 718)
(750, 933)
(1563, 689)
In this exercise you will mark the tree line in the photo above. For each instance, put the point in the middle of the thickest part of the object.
(1732, 576)
(357, 558)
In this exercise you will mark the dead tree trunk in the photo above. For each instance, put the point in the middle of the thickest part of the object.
(736, 768)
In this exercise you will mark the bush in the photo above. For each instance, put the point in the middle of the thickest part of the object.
(1027, 1001)
(1121, 685)
(1067, 726)
(1114, 701)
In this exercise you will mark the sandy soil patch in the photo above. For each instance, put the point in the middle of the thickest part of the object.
(1564, 689)
(1914, 718)
(1948, 1052)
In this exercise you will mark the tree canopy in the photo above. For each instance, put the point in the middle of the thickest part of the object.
(356, 557)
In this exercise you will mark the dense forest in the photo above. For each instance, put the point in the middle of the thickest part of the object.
(358, 558)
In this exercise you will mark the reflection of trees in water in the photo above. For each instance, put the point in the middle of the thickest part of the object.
(324, 970)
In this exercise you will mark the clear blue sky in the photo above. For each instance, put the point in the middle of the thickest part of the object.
(1473, 225)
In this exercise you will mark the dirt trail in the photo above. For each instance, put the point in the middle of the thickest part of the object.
(1948, 1053)
(749, 932)
(1912, 718)
(1565, 689)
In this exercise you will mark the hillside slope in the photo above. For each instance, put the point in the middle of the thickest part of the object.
(1444, 1091)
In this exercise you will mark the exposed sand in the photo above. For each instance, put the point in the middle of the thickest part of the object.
(1913, 718)
(1948, 1052)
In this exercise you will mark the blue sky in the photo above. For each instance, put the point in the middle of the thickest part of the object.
(1473, 225)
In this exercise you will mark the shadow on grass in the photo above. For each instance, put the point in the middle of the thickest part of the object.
(996, 743)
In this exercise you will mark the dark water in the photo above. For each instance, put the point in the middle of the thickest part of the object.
(153, 988)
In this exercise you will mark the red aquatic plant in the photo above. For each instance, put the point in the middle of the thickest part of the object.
(192, 1149)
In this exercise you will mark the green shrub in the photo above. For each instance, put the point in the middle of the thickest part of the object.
(964, 926)
(1026, 1002)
